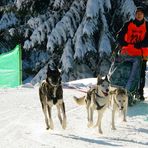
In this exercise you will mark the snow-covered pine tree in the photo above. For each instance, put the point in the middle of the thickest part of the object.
(76, 35)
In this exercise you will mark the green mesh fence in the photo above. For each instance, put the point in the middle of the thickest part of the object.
(11, 68)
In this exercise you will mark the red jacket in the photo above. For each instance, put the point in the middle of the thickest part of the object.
(132, 34)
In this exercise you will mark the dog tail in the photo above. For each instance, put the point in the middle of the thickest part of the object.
(80, 101)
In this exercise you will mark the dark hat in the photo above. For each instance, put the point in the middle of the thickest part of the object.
(140, 8)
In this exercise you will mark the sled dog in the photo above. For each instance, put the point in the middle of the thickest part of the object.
(97, 98)
(51, 93)
(118, 102)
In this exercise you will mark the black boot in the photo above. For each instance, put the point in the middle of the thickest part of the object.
(142, 98)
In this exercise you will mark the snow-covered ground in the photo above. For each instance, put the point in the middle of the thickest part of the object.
(22, 123)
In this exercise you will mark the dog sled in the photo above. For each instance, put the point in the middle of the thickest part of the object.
(125, 72)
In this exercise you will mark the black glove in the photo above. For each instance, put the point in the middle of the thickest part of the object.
(123, 43)
(138, 45)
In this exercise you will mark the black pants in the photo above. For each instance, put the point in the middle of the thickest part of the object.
(142, 79)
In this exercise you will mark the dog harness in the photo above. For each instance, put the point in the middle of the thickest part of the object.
(97, 96)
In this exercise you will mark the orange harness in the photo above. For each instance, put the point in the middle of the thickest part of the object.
(135, 34)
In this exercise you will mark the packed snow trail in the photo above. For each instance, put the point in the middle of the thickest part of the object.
(22, 124)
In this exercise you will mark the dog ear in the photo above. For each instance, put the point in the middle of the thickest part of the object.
(56, 68)
(106, 78)
(126, 92)
(116, 91)
(113, 91)
(48, 70)
(59, 70)
(99, 79)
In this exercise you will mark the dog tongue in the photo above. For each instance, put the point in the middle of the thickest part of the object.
(106, 94)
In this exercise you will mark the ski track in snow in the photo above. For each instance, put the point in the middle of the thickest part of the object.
(22, 124)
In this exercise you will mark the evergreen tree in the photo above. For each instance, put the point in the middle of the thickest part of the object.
(76, 35)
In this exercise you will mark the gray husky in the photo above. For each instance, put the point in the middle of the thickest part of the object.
(119, 102)
(51, 93)
(97, 98)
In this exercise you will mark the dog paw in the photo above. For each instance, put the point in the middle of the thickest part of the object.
(64, 124)
(90, 124)
(47, 128)
(51, 126)
(100, 131)
(113, 128)
(124, 120)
